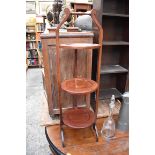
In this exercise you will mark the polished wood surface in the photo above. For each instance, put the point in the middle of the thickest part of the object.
(80, 46)
(82, 141)
(78, 117)
(72, 29)
(79, 86)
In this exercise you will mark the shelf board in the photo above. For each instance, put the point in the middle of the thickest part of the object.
(78, 117)
(80, 46)
(107, 93)
(40, 31)
(115, 15)
(30, 40)
(32, 49)
(108, 69)
(30, 25)
(79, 86)
(33, 65)
(30, 32)
(32, 58)
(115, 43)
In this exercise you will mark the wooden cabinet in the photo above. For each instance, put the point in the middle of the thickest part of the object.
(67, 65)
(114, 17)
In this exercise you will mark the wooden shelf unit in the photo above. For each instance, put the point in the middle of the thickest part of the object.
(31, 49)
(33, 45)
(114, 16)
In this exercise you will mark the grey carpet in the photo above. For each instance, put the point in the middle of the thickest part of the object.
(36, 143)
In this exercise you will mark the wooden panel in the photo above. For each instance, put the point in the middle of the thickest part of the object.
(111, 55)
(117, 81)
(47, 78)
(114, 29)
(116, 6)
(82, 141)
(108, 81)
(124, 58)
(121, 82)
(115, 55)
(98, 6)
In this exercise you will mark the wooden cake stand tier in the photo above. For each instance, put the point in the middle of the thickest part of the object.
(79, 86)
(78, 117)
(82, 141)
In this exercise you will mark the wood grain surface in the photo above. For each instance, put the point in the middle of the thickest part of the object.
(79, 46)
(78, 117)
(79, 86)
(82, 141)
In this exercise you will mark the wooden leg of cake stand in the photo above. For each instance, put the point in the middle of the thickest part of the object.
(62, 136)
(96, 132)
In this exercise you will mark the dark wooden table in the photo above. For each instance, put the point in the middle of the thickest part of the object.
(82, 142)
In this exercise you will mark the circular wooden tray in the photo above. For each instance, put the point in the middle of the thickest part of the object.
(79, 86)
(78, 117)
(80, 46)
